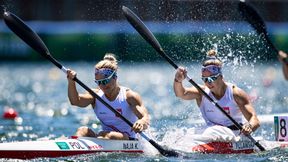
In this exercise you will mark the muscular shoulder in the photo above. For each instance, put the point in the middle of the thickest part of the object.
(131, 95)
(239, 95)
(133, 98)
(237, 91)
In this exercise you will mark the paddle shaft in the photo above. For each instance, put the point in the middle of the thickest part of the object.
(137, 23)
(34, 41)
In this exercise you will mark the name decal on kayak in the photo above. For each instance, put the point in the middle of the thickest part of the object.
(63, 145)
(95, 147)
(242, 145)
(130, 146)
(76, 145)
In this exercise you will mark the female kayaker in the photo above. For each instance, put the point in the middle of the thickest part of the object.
(230, 97)
(124, 100)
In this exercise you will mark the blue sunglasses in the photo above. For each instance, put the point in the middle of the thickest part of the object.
(105, 80)
(211, 78)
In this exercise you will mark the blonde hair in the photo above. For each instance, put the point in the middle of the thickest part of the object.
(109, 61)
(211, 59)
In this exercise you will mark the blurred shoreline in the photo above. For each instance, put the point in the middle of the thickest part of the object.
(89, 41)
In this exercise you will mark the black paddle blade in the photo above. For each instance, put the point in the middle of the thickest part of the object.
(165, 152)
(25, 33)
(256, 21)
(136, 22)
(252, 16)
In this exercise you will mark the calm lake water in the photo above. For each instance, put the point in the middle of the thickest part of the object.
(38, 91)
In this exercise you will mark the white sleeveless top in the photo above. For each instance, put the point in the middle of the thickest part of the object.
(213, 116)
(109, 120)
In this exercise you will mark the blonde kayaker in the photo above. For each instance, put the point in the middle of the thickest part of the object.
(230, 97)
(124, 100)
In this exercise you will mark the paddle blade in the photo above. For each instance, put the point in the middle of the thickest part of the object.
(165, 152)
(256, 21)
(136, 22)
(252, 16)
(25, 33)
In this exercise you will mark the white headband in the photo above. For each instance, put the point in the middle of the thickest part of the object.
(214, 69)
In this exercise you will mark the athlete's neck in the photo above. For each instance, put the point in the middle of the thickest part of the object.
(114, 93)
(220, 91)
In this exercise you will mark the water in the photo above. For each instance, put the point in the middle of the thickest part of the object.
(38, 91)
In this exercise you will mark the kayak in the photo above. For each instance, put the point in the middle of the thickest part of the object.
(216, 147)
(211, 140)
(66, 147)
(235, 147)
(217, 140)
(87, 145)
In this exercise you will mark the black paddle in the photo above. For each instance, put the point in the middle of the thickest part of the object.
(256, 21)
(34, 41)
(137, 23)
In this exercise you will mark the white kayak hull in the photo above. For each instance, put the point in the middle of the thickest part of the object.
(66, 147)
(87, 145)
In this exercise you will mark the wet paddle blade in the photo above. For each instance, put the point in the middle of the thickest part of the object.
(137, 23)
(25, 33)
(165, 152)
(256, 21)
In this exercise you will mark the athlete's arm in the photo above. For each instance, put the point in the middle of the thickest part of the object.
(181, 91)
(247, 110)
(135, 102)
(76, 99)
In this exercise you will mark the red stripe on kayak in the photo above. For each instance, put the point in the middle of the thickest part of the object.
(220, 148)
(283, 145)
(22, 154)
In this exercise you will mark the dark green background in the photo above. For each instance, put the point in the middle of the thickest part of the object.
(132, 47)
